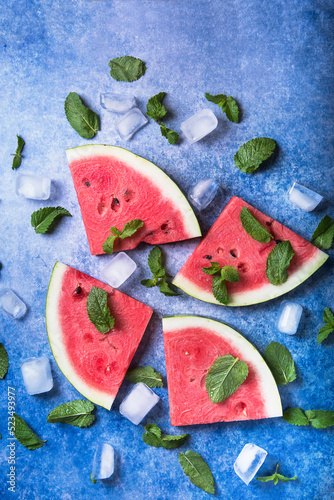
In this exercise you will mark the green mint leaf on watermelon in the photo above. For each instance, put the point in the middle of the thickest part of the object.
(227, 104)
(329, 326)
(171, 136)
(129, 229)
(154, 437)
(214, 269)
(229, 273)
(4, 363)
(42, 220)
(324, 234)
(219, 276)
(108, 245)
(276, 477)
(198, 471)
(25, 435)
(295, 416)
(225, 377)
(159, 277)
(219, 289)
(84, 121)
(278, 262)
(253, 227)
(251, 154)
(77, 413)
(154, 108)
(17, 156)
(280, 362)
(127, 68)
(98, 310)
(320, 419)
(145, 374)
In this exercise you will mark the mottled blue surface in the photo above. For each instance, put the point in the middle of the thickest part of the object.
(276, 59)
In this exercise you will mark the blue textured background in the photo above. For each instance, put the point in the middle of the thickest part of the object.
(276, 59)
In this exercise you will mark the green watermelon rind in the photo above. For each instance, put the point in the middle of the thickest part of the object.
(266, 292)
(54, 330)
(271, 395)
(147, 169)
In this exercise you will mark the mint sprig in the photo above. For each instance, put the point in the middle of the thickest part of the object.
(156, 110)
(127, 68)
(98, 310)
(198, 471)
(42, 220)
(154, 437)
(129, 229)
(4, 363)
(219, 276)
(171, 136)
(329, 326)
(280, 362)
(25, 435)
(278, 262)
(145, 374)
(276, 477)
(84, 121)
(17, 156)
(159, 277)
(324, 234)
(77, 413)
(251, 154)
(253, 227)
(225, 377)
(227, 105)
(319, 419)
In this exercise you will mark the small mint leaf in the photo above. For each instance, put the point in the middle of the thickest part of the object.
(127, 68)
(43, 218)
(219, 289)
(214, 269)
(229, 273)
(130, 228)
(253, 227)
(98, 310)
(295, 416)
(225, 377)
(4, 363)
(154, 108)
(198, 471)
(278, 262)
(251, 154)
(280, 362)
(145, 374)
(25, 435)
(171, 136)
(155, 260)
(84, 121)
(324, 234)
(164, 288)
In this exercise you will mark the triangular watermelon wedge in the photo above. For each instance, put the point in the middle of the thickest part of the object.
(115, 186)
(192, 345)
(228, 243)
(94, 363)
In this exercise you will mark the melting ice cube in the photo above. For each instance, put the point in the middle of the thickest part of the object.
(304, 198)
(130, 123)
(249, 461)
(289, 317)
(118, 270)
(202, 194)
(199, 125)
(37, 376)
(138, 402)
(103, 463)
(118, 103)
(12, 304)
(33, 187)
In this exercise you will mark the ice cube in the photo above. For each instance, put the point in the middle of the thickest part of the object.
(130, 123)
(199, 125)
(289, 317)
(37, 376)
(304, 198)
(138, 402)
(103, 463)
(249, 461)
(12, 304)
(202, 194)
(33, 187)
(118, 103)
(118, 270)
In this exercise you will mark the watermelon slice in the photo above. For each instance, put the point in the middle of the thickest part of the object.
(192, 345)
(228, 244)
(94, 363)
(115, 186)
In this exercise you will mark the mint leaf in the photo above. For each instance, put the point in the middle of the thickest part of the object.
(171, 136)
(164, 288)
(229, 273)
(129, 229)
(4, 363)
(92, 479)
(280, 362)
(253, 227)
(154, 437)
(219, 289)
(98, 310)
(154, 108)
(42, 219)
(324, 234)
(155, 260)
(214, 269)
(295, 416)
(219, 99)
(77, 413)
(82, 119)
(328, 316)
(276, 477)
(227, 104)
(25, 435)
(225, 377)
(219, 276)
(320, 419)
(278, 262)
(108, 245)
(127, 68)
(145, 374)
(17, 156)
(197, 470)
(159, 273)
(149, 283)
(251, 154)
(328, 328)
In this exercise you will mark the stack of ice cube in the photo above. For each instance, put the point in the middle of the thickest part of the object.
(289, 317)
(33, 187)
(117, 103)
(138, 402)
(130, 123)
(202, 194)
(304, 198)
(249, 461)
(37, 376)
(12, 304)
(199, 125)
(103, 463)
(118, 270)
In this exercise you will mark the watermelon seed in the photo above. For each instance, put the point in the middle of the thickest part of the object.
(242, 267)
(116, 201)
(86, 182)
(209, 257)
(278, 241)
(241, 408)
(220, 250)
(233, 253)
(268, 223)
(192, 379)
(78, 289)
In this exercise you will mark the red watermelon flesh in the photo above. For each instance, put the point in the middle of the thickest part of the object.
(192, 345)
(114, 186)
(95, 363)
(229, 244)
